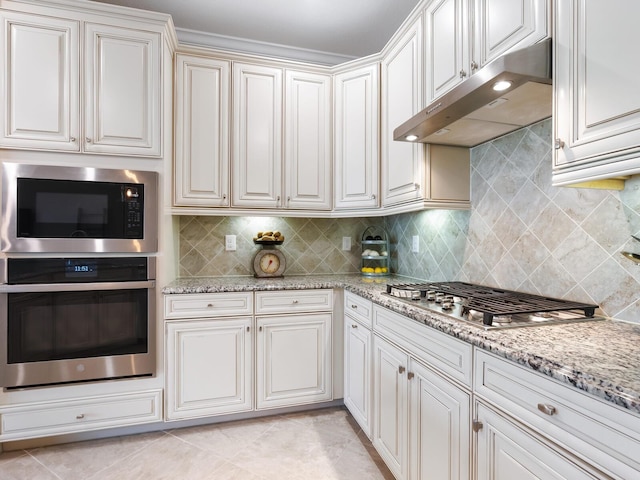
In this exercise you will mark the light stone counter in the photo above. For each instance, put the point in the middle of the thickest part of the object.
(600, 357)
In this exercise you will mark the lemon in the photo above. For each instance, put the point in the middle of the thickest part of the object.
(378, 270)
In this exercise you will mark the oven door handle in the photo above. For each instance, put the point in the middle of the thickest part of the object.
(76, 287)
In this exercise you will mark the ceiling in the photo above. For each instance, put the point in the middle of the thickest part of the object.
(329, 31)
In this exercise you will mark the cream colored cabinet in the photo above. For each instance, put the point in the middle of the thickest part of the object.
(548, 428)
(403, 163)
(358, 343)
(307, 133)
(596, 103)
(40, 82)
(293, 348)
(209, 367)
(421, 423)
(74, 415)
(208, 354)
(120, 96)
(506, 451)
(267, 174)
(356, 152)
(203, 96)
(462, 36)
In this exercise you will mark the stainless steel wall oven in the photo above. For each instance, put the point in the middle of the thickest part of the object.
(76, 319)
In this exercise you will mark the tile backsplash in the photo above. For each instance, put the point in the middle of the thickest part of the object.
(521, 234)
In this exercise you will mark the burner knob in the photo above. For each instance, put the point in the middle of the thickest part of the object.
(431, 295)
(439, 297)
(447, 305)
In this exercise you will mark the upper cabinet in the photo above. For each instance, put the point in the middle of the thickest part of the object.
(597, 107)
(116, 109)
(202, 97)
(266, 173)
(462, 36)
(356, 157)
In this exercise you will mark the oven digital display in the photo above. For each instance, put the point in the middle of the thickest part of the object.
(78, 267)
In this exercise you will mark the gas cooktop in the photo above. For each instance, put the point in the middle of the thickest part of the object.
(489, 307)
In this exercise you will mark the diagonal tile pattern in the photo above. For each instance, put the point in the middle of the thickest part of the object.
(324, 444)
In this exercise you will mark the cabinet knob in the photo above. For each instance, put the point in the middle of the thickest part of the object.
(417, 185)
(295, 301)
(477, 426)
(288, 199)
(209, 305)
(88, 140)
(224, 196)
(73, 139)
(410, 375)
(353, 325)
(547, 409)
(401, 369)
(260, 329)
(373, 196)
(248, 329)
(80, 416)
(355, 307)
(558, 144)
(474, 65)
(463, 74)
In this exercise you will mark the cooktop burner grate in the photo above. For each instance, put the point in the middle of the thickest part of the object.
(495, 301)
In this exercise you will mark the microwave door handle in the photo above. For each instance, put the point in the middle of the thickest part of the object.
(76, 287)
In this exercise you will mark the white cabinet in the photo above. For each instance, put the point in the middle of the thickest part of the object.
(203, 96)
(462, 36)
(293, 349)
(506, 451)
(421, 424)
(266, 174)
(356, 156)
(597, 107)
(358, 344)
(120, 96)
(73, 415)
(209, 366)
(208, 354)
(40, 82)
(402, 163)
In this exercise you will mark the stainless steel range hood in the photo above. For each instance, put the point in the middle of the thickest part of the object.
(473, 112)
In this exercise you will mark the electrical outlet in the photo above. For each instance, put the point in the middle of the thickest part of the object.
(415, 244)
(230, 243)
(346, 243)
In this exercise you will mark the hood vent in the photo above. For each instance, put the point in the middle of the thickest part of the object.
(474, 112)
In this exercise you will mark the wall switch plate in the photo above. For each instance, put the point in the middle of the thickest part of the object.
(230, 243)
(415, 244)
(346, 243)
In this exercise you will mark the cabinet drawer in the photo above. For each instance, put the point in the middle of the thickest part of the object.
(288, 301)
(69, 416)
(602, 434)
(196, 305)
(358, 308)
(437, 349)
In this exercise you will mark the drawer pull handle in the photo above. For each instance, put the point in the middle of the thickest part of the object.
(547, 409)
(401, 369)
(295, 301)
(80, 417)
(355, 307)
(209, 305)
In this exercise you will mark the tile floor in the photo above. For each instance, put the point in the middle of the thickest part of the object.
(324, 444)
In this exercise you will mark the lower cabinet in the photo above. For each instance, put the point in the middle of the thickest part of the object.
(421, 422)
(358, 341)
(209, 367)
(293, 364)
(506, 451)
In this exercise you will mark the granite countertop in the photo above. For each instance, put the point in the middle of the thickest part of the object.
(600, 357)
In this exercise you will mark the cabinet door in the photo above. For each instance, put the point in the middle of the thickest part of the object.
(209, 364)
(505, 451)
(501, 25)
(439, 424)
(307, 159)
(39, 82)
(202, 131)
(597, 106)
(403, 169)
(257, 136)
(391, 406)
(293, 360)
(357, 372)
(122, 91)
(356, 138)
(446, 46)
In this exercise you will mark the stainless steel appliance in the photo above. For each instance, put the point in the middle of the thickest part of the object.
(491, 308)
(76, 319)
(74, 210)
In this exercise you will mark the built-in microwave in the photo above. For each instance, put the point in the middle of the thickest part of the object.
(78, 209)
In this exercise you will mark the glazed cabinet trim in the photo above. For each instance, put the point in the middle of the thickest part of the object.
(294, 301)
(194, 305)
(601, 434)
